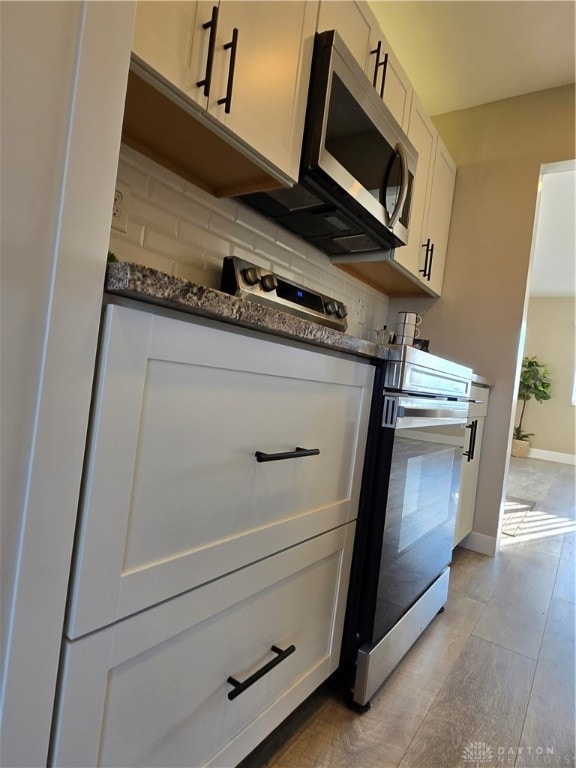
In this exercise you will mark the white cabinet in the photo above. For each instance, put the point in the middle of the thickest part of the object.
(435, 233)
(388, 77)
(423, 136)
(361, 33)
(153, 690)
(217, 520)
(174, 494)
(352, 23)
(470, 463)
(163, 35)
(245, 65)
(424, 255)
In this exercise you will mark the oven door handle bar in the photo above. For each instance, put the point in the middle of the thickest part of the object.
(405, 412)
(297, 453)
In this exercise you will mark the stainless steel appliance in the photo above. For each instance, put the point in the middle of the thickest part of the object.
(357, 168)
(405, 526)
(249, 281)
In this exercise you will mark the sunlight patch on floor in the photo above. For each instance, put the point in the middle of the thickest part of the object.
(523, 521)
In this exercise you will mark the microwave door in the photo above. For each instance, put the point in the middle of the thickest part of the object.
(395, 185)
(354, 152)
(363, 151)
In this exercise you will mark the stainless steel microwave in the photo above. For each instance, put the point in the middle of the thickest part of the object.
(357, 168)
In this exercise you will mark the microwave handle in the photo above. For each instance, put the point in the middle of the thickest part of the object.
(400, 151)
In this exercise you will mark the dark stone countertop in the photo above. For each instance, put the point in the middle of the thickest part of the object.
(149, 285)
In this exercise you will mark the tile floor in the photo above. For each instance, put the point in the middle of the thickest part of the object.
(491, 681)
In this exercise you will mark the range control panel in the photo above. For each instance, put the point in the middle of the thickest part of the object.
(240, 278)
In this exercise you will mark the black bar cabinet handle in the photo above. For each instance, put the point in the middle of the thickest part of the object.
(212, 26)
(383, 64)
(241, 687)
(473, 426)
(377, 65)
(426, 256)
(429, 275)
(295, 454)
(427, 271)
(232, 46)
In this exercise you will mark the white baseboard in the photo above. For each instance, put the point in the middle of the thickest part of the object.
(479, 542)
(561, 458)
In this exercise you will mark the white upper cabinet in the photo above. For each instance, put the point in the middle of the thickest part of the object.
(244, 64)
(352, 23)
(438, 220)
(389, 78)
(262, 67)
(163, 33)
(422, 134)
(362, 35)
(424, 255)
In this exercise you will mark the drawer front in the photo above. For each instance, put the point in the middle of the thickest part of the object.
(152, 690)
(479, 408)
(174, 495)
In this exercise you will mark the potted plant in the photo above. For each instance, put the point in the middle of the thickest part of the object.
(534, 383)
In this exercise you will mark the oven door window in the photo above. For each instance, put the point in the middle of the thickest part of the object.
(419, 518)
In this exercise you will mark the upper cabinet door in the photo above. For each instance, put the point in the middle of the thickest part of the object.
(439, 212)
(260, 75)
(351, 23)
(422, 134)
(246, 65)
(164, 39)
(389, 78)
(363, 37)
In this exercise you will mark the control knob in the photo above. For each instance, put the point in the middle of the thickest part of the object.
(269, 282)
(331, 307)
(341, 311)
(251, 275)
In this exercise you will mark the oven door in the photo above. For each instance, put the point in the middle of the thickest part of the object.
(413, 504)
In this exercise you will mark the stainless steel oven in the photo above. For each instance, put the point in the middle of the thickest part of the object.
(407, 513)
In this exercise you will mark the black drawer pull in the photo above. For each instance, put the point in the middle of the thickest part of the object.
(241, 687)
(295, 454)
(231, 46)
(212, 26)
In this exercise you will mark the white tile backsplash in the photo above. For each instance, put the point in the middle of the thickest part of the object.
(175, 227)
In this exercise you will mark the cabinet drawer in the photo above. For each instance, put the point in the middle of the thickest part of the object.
(173, 493)
(480, 407)
(152, 690)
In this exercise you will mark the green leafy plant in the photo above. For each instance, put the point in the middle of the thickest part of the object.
(111, 257)
(534, 383)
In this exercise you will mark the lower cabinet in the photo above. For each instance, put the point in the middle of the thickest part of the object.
(471, 463)
(214, 541)
(184, 482)
(155, 689)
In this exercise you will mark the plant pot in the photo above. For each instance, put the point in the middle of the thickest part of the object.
(520, 448)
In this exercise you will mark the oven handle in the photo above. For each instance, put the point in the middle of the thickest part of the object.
(397, 414)
(431, 413)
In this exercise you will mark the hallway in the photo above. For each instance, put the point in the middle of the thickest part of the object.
(491, 681)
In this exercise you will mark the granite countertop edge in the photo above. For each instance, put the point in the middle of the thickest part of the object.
(145, 284)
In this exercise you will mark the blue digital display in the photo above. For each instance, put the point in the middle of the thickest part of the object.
(299, 295)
